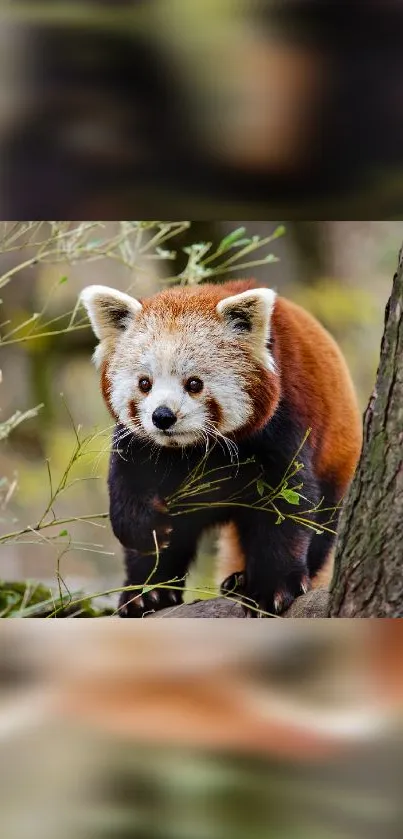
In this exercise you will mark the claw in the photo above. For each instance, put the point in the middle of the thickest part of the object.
(155, 596)
(278, 602)
(174, 597)
(305, 585)
(139, 602)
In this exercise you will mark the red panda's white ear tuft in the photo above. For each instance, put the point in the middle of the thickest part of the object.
(249, 315)
(109, 310)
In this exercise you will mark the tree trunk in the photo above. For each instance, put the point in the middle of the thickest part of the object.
(368, 577)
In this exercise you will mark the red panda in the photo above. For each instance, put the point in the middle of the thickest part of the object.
(230, 376)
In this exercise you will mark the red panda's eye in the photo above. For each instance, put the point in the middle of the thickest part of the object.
(145, 385)
(194, 385)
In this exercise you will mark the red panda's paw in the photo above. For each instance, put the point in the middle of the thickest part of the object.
(276, 602)
(135, 605)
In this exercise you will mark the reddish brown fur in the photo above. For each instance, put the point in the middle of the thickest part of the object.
(105, 388)
(315, 380)
(264, 390)
(214, 411)
(133, 409)
(231, 557)
(172, 302)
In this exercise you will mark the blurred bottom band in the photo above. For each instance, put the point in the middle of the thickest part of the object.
(118, 729)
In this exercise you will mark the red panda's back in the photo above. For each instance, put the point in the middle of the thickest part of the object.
(316, 381)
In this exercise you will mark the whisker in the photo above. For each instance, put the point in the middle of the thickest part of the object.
(205, 437)
(231, 446)
(213, 432)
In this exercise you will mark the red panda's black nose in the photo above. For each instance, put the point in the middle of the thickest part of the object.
(163, 418)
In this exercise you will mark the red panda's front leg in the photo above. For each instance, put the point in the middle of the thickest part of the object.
(156, 557)
(156, 580)
(159, 547)
(144, 530)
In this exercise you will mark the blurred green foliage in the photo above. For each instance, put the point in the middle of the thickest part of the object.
(337, 306)
(32, 600)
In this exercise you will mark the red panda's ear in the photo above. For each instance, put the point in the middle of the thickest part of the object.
(109, 310)
(249, 315)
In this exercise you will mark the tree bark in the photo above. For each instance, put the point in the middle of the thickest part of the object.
(368, 578)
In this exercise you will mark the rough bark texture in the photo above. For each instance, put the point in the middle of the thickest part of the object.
(368, 577)
(315, 604)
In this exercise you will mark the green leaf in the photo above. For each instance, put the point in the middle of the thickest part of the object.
(279, 231)
(63, 280)
(260, 487)
(290, 496)
(230, 240)
(64, 533)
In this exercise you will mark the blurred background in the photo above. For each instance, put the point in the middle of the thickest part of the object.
(341, 271)
(142, 730)
(222, 107)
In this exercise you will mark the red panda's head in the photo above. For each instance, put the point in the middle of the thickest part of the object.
(187, 363)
